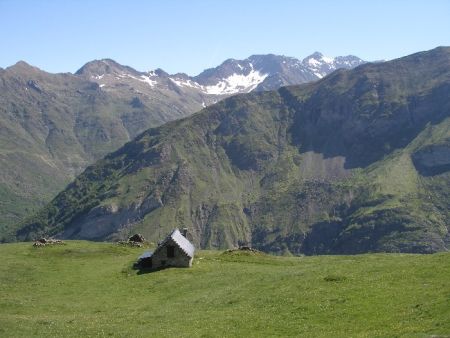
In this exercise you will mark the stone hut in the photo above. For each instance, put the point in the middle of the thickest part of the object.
(176, 250)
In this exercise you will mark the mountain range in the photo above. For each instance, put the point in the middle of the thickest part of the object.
(358, 161)
(52, 126)
(256, 73)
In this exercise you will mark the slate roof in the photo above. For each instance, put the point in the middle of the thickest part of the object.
(182, 242)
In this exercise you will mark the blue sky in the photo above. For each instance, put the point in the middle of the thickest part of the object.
(189, 36)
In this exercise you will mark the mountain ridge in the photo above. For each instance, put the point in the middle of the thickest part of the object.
(216, 80)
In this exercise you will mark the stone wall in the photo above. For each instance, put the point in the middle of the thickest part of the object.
(180, 259)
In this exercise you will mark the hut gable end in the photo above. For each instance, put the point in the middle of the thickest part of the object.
(176, 250)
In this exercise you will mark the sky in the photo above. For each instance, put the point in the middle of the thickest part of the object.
(190, 36)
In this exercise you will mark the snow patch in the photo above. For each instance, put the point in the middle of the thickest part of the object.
(237, 83)
(318, 75)
(314, 62)
(323, 59)
(147, 80)
(186, 83)
(327, 59)
(143, 78)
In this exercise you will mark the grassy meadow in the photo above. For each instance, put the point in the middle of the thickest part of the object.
(90, 289)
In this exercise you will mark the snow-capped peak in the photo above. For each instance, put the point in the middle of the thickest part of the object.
(320, 64)
(318, 59)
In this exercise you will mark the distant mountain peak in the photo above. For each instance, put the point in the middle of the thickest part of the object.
(322, 65)
(104, 66)
(160, 72)
(318, 57)
(22, 65)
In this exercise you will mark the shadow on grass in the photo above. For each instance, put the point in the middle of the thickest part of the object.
(142, 269)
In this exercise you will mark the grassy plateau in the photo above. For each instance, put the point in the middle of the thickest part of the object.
(90, 289)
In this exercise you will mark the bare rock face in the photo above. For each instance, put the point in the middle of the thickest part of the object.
(100, 221)
(433, 159)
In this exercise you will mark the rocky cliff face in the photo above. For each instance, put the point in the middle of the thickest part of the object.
(433, 159)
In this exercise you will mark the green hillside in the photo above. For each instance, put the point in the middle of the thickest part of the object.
(356, 162)
(90, 289)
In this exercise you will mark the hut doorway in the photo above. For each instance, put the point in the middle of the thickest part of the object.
(170, 251)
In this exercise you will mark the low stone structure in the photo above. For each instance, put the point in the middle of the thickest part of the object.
(136, 240)
(174, 251)
(243, 248)
(130, 243)
(47, 241)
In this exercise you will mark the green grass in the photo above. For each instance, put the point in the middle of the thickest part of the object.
(89, 289)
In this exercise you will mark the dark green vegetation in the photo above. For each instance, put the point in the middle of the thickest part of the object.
(356, 162)
(89, 289)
